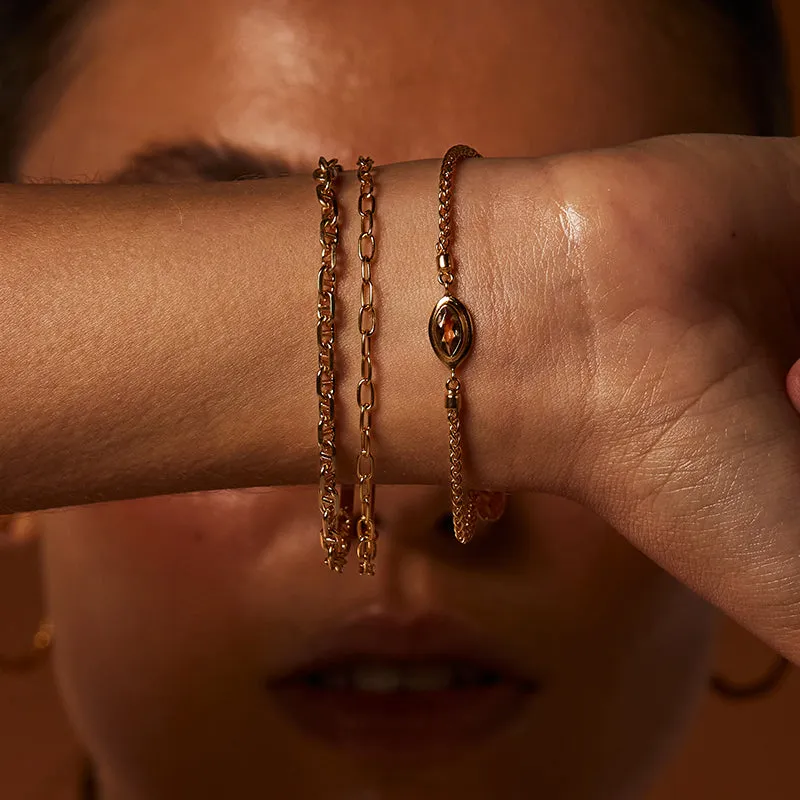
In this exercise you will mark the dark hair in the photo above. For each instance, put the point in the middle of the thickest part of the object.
(35, 34)
(762, 62)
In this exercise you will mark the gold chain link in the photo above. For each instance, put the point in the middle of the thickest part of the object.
(365, 467)
(464, 512)
(455, 154)
(336, 531)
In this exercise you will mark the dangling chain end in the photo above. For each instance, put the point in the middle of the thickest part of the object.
(367, 568)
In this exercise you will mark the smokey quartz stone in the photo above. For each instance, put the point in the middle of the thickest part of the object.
(450, 331)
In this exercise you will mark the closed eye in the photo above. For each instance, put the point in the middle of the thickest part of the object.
(195, 162)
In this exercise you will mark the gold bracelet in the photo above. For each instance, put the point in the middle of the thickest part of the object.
(336, 533)
(450, 331)
(365, 392)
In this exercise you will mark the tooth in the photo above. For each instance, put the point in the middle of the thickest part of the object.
(428, 679)
(380, 680)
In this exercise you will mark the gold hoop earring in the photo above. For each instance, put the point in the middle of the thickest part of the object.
(17, 528)
(40, 647)
(750, 691)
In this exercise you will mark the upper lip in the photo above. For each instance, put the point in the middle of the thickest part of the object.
(381, 638)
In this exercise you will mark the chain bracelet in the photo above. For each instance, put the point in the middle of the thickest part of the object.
(365, 467)
(455, 154)
(336, 532)
(450, 332)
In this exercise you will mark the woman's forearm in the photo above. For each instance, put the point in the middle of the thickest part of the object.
(161, 339)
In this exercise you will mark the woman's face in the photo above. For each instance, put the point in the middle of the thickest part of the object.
(548, 658)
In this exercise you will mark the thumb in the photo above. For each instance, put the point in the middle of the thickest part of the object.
(793, 385)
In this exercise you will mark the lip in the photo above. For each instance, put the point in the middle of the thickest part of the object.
(403, 724)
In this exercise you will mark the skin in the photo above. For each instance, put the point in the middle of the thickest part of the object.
(172, 611)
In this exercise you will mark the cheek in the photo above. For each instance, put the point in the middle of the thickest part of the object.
(136, 567)
(165, 567)
(147, 592)
(608, 602)
(631, 645)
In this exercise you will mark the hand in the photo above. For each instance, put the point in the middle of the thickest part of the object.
(689, 255)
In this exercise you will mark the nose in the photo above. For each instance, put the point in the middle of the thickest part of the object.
(416, 522)
(421, 567)
(411, 513)
(413, 524)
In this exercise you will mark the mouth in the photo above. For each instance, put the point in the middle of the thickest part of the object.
(389, 678)
(403, 691)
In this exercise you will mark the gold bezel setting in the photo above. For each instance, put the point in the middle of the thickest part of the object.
(461, 326)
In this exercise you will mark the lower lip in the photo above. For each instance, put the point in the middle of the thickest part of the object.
(403, 723)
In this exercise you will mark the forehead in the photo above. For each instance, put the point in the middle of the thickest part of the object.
(293, 80)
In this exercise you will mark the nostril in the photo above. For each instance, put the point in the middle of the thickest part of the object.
(445, 524)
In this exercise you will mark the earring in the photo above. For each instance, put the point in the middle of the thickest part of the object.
(16, 528)
(750, 691)
(37, 653)
(19, 528)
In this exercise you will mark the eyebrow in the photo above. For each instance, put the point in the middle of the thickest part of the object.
(197, 161)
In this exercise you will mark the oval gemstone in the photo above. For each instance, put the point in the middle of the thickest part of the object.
(449, 328)
(450, 331)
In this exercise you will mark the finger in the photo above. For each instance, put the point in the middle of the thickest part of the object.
(793, 385)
